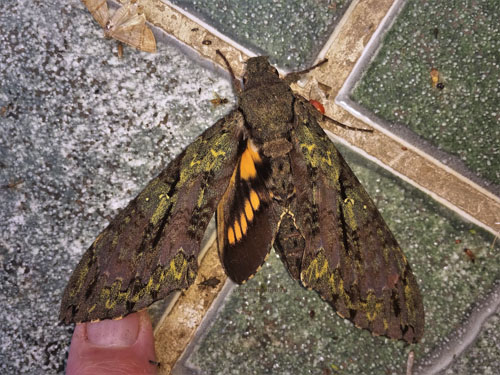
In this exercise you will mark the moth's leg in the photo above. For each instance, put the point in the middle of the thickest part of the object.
(236, 81)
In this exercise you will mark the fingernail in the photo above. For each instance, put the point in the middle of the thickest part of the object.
(122, 332)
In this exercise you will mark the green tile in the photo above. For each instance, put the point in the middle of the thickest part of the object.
(462, 40)
(483, 357)
(269, 325)
(291, 32)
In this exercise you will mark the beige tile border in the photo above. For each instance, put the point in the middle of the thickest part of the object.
(177, 328)
(194, 33)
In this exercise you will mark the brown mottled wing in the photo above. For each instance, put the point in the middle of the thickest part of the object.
(99, 10)
(129, 26)
(150, 249)
(139, 36)
(350, 256)
(245, 227)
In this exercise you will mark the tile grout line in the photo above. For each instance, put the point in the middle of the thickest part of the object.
(462, 337)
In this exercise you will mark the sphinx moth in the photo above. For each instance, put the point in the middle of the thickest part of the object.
(272, 177)
(127, 24)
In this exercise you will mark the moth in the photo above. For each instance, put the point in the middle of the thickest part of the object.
(127, 24)
(273, 178)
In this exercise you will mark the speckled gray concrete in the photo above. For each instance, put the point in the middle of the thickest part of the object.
(291, 33)
(85, 131)
(274, 326)
(462, 41)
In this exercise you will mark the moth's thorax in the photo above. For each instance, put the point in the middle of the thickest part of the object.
(268, 111)
(125, 17)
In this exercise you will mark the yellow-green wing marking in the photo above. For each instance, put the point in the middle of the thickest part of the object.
(150, 249)
(350, 257)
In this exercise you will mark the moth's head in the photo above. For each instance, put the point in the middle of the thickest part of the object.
(259, 72)
(266, 102)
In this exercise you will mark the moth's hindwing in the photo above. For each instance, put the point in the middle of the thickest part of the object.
(151, 247)
(245, 228)
(350, 256)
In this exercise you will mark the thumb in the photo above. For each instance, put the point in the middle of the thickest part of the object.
(124, 346)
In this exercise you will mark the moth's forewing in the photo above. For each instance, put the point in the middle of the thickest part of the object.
(245, 226)
(126, 24)
(99, 10)
(147, 41)
(350, 256)
(291, 240)
(124, 15)
(151, 247)
(129, 26)
(135, 33)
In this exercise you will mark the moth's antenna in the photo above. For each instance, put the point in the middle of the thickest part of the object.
(236, 82)
(295, 76)
(325, 117)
